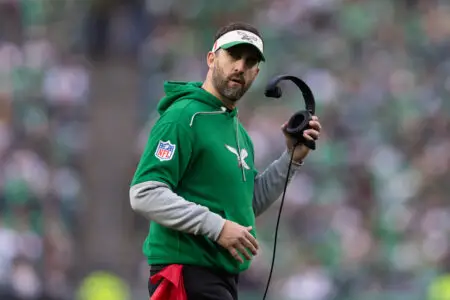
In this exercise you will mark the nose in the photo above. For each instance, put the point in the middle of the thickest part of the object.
(239, 66)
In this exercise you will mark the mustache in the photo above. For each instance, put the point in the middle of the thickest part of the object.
(238, 78)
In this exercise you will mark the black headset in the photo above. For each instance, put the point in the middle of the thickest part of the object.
(296, 125)
(299, 122)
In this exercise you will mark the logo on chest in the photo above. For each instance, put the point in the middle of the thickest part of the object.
(239, 156)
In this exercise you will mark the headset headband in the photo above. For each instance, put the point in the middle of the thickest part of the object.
(273, 91)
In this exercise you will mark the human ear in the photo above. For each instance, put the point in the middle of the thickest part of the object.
(210, 58)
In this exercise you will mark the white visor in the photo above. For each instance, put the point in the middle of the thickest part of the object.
(237, 37)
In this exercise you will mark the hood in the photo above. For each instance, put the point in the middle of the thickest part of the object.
(192, 90)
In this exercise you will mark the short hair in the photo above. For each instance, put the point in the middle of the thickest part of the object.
(236, 26)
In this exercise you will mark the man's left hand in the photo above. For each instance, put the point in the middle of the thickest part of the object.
(301, 151)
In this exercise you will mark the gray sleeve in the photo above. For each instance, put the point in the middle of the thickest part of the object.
(269, 184)
(156, 202)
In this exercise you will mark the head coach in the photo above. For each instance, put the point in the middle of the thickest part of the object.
(196, 180)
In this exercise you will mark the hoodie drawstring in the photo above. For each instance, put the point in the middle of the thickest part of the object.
(241, 163)
(221, 111)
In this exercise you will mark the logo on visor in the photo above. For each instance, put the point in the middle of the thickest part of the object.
(247, 37)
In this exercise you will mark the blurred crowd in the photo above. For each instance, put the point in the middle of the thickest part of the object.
(366, 218)
(43, 98)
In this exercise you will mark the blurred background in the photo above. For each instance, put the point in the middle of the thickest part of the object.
(368, 216)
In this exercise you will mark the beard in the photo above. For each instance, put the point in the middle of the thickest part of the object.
(222, 84)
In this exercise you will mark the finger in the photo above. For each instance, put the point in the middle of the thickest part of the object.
(306, 136)
(252, 240)
(311, 134)
(240, 247)
(249, 246)
(235, 254)
(315, 118)
(315, 125)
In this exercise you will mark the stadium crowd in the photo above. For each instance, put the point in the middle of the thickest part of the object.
(367, 218)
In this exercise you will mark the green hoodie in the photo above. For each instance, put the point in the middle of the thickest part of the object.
(204, 154)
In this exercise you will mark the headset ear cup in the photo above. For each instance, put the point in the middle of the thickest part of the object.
(297, 124)
(274, 92)
(278, 92)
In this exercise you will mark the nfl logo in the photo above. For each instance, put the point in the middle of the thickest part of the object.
(165, 150)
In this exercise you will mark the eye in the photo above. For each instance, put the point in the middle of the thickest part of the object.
(249, 56)
(236, 55)
(251, 61)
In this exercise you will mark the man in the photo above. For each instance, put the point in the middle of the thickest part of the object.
(196, 179)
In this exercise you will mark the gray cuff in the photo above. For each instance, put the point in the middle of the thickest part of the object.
(285, 159)
(212, 226)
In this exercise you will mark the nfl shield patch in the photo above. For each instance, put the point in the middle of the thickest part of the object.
(165, 151)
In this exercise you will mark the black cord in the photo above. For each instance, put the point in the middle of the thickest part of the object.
(278, 221)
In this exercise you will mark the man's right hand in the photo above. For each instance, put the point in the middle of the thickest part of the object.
(238, 239)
